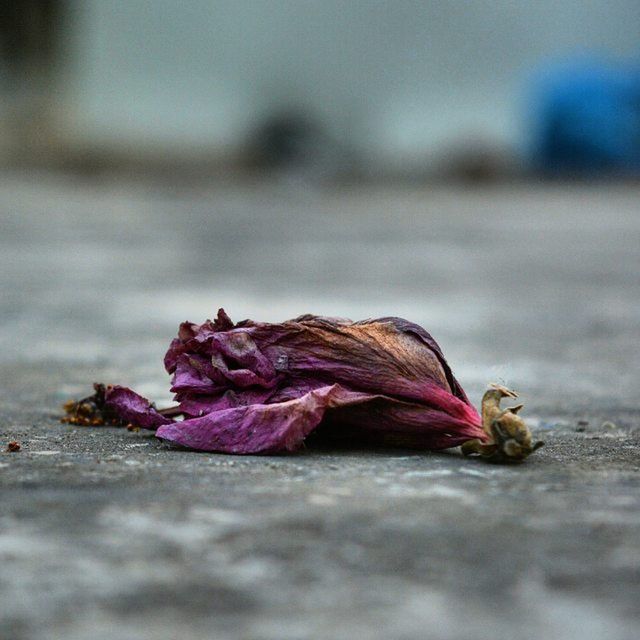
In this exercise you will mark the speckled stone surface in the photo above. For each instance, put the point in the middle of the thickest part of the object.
(110, 534)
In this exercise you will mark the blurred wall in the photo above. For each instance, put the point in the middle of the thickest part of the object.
(394, 82)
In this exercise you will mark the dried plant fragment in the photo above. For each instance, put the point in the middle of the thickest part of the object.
(258, 387)
(91, 411)
(509, 436)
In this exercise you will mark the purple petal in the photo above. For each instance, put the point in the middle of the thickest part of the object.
(283, 426)
(425, 337)
(192, 336)
(377, 356)
(260, 428)
(236, 356)
(193, 405)
(195, 374)
(133, 408)
(385, 421)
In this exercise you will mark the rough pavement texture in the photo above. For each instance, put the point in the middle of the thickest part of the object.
(110, 534)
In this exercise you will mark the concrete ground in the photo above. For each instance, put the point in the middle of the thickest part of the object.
(111, 534)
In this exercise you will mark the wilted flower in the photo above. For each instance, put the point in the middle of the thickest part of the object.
(263, 388)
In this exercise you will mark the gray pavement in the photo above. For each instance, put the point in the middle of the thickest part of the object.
(110, 534)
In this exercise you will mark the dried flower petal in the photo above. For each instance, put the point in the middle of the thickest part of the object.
(259, 387)
(133, 408)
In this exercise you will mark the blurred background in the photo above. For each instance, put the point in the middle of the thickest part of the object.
(360, 158)
(470, 165)
(334, 89)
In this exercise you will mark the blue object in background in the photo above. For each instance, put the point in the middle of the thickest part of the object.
(587, 119)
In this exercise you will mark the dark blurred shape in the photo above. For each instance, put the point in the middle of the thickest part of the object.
(29, 35)
(587, 120)
(295, 144)
(477, 160)
(286, 139)
(32, 39)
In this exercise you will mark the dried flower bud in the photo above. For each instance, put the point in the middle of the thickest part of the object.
(262, 388)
